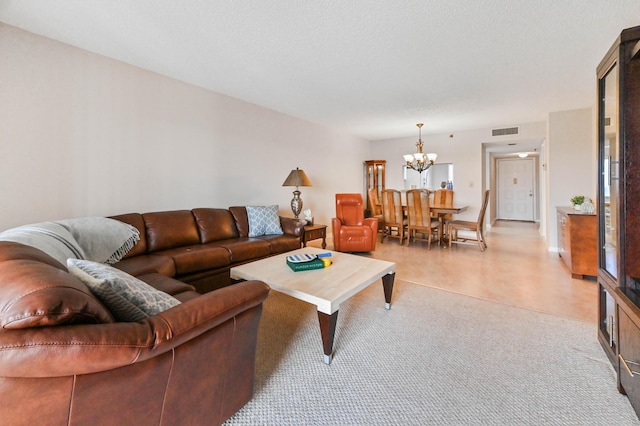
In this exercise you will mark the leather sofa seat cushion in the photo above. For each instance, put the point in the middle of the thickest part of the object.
(215, 224)
(281, 243)
(181, 291)
(36, 294)
(147, 264)
(355, 237)
(135, 219)
(166, 284)
(197, 258)
(243, 249)
(170, 229)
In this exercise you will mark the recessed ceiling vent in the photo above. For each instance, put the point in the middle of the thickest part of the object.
(505, 131)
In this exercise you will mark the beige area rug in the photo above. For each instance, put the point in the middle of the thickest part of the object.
(435, 358)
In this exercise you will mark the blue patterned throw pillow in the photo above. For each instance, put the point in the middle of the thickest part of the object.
(128, 298)
(263, 220)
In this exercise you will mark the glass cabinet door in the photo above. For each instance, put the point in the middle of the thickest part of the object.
(374, 177)
(609, 167)
(607, 316)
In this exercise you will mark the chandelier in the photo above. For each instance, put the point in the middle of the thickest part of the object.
(420, 161)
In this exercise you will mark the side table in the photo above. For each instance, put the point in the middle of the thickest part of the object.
(313, 232)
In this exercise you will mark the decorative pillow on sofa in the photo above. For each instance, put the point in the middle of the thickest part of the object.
(263, 220)
(128, 298)
(102, 239)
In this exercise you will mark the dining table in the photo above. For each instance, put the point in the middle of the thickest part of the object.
(442, 210)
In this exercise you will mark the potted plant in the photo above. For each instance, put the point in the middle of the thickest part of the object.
(577, 201)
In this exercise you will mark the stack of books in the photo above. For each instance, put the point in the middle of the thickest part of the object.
(307, 262)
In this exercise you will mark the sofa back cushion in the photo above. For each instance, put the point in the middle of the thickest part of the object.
(242, 220)
(215, 224)
(36, 291)
(135, 219)
(170, 229)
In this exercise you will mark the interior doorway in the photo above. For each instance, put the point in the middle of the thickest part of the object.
(515, 189)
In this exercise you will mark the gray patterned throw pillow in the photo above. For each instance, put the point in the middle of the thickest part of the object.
(263, 220)
(128, 298)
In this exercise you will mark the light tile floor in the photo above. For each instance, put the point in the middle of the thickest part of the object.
(516, 269)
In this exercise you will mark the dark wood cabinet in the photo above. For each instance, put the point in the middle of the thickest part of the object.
(618, 206)
(577, 241)
(314, 232)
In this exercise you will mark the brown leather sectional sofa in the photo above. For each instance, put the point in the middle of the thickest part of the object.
(199, 246)
(64, 360)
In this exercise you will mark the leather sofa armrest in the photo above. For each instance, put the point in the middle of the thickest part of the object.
(372, 222)
(292, 226)
(83, 349)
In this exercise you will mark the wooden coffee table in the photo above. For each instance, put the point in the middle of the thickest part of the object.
(326, 288)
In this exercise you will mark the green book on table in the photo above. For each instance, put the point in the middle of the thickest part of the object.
(306, 266)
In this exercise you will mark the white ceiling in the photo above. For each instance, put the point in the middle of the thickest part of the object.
(372, 68)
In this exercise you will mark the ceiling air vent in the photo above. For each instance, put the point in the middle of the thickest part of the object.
(505, 131)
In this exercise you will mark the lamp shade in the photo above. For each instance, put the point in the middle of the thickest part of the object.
(297, 177)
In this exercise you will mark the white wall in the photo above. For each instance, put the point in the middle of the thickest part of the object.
(571, 162)
(82, 134)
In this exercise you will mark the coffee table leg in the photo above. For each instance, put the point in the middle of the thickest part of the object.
(328, 331)
(387, 283)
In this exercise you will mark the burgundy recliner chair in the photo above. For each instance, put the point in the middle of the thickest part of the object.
(351, 231)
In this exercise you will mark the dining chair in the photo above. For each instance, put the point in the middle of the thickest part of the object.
(419, 219)
(376, 208)
(444, 197)
(477, 227)
(394, 221)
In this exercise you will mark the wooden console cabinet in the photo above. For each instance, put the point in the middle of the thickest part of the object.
(578, 241)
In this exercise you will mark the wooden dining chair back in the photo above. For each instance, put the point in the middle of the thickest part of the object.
(443, 197)
(477, 227)
(376, 208)
(421, 225)
(374, 202)
(394, 221)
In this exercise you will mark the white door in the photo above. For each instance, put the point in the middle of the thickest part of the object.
(515, 189)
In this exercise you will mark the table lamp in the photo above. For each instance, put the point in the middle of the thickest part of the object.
(296, 178)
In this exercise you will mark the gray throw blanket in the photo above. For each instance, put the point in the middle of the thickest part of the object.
(91, 238)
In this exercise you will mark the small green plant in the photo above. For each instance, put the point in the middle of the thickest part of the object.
(578, 200)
